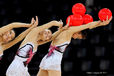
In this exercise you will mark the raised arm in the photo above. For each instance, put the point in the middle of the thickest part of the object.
(52, 38)
(55, 34)
(91, 25)
(13, 25)
(48, 25)
(18, 38)
(104, 23)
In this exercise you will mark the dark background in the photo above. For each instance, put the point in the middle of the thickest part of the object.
(94, 54)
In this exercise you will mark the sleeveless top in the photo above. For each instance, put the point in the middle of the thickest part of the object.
(1, 54)
(60, 48)
(26, 52)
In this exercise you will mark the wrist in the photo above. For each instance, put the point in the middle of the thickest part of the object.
(55, 23)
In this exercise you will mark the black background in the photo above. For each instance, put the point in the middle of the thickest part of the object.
(94, 54)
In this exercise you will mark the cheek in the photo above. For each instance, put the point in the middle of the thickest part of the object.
(49, 36)
(44, 36)
(4, 37)
(10, 38)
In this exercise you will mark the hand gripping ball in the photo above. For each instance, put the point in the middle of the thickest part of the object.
(103, 13)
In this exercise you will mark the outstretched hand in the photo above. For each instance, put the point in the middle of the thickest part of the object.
(33, 22)
(106, 22)
(60, 24)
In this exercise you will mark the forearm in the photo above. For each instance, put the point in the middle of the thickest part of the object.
(18, 25)
(95, 24)
(56, 34)
(13, 25)
(45, 26)
(91, 25)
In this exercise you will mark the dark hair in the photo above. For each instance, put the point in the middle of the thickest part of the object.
(84, 33)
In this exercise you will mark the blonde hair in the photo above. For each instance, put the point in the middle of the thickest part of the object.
(46, 29)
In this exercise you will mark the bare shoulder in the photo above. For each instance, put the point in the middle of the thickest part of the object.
(64, 34)
(38, 29)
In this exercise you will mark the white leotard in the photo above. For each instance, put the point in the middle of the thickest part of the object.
(1, 53)
(19, 65)
(53, 62)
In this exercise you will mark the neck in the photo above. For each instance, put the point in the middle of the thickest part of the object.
(40, 37)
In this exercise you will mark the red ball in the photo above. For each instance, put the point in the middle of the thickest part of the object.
(78, 8)
(87, 19)
(75, 20)
(103, 13)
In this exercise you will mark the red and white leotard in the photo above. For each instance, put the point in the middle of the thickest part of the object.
(19, 65)
(52, 61)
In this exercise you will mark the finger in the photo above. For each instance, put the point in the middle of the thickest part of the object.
(36, 19)
(110, 18)
(32, 20)
(68, 21)
(107, 18)
(62, 23)
(60, 20)
(67, 25)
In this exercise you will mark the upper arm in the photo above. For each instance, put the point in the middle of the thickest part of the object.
(13, 25)
(11, 43)
(17, 39)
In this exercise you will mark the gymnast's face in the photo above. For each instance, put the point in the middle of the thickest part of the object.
(8, 36)
(77, 35)
(47, 34)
